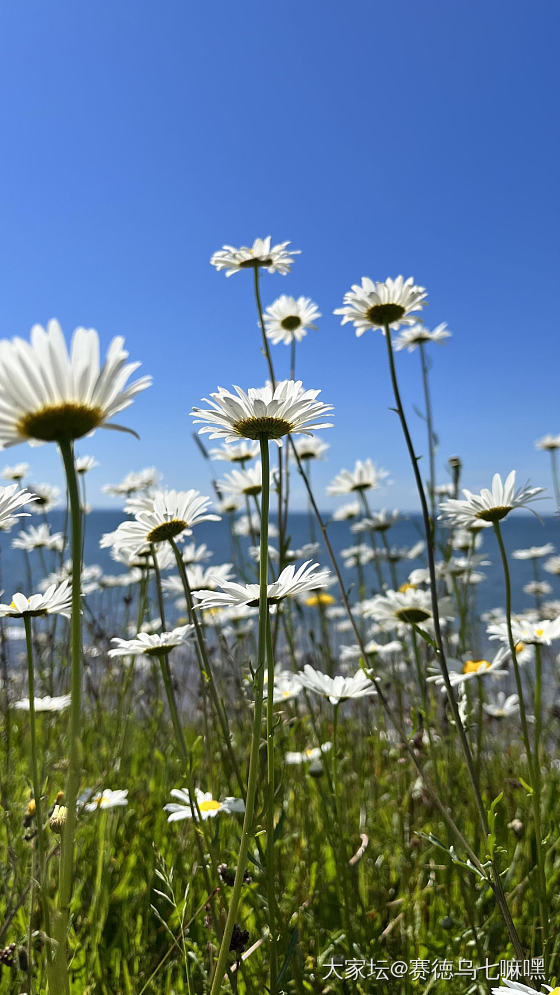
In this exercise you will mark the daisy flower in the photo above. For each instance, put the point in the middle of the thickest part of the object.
(288, 319)
(468, 670)
(84, 464)
(307, 756)
(502, 707)
(375, 305)
(411, 338)
(516, 988)
(49, 395)
(17, 472)
(552, 566)
(47, 497)
(365, 476)
(308, 577)
(157, 644)
(206, 804)
(264, 412)
(248, 481)
(489, 506)
(348, 511)
(46, 704)
(533, 552)
(311, 448)
(411, 607)
(165, 515)
(107, 799)
(526, 631)
(336, 689)
(134, 482)
(192, 553)
(199, 578)
(38, 537)
(377, 521)
(260, 256)
(11, 500)
(287, 685)
(56, 600)
(548, 442)
(239, 452)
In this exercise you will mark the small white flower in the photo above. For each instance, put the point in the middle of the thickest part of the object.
(288, 319)
(287, 685)
(135, 482)
(260, 256)
(164, 515)
(489, 506)
(264, 412)
(533, 552)
(348, 511)
(516, 988)
(47, 497)
(57, 600)
(365, 476)
(157, 644)
(308, 577)
(17, 472)
(307, 756)
(46, 704)
(548, 442)
(552, 566)
(526, 631)
(409, 607)
(238, 452)
(247, 481)
(85, 463)
(337, 689)
(375, 305)
(502, 707)
(411, 338)
(377, 521)
(311, 447)
(206, 804)
(468, 670)
(107, 799)
(11, 501)
(38, 537)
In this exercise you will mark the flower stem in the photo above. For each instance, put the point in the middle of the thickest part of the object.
(429, 423)
(246, 832)
(59, 983)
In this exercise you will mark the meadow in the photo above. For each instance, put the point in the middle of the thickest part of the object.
(317, 767)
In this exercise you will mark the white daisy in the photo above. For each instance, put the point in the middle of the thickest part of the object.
(38, 537)
(311, 448)
(46, 704)
(11, 500)
(264, 412)
(337, 689)
(537, 588)
(191, 553)
(206, 804)
(489, 506)
(411, 338)
(164, 515)
(56, 600)
(375, 305)
(348, 511)
(467, 670)
(107, 799)
(552, 566)
(288, 319)
(243, 526)
(377, 521)
(260, 256)
(157, 644)
(502, 706)
(516, 988)
(548, 442)
(247, 481)
(307, 756)
(85, 463)
(526, 631)
(239, 452)
(47, 497)
(287, 685)
(137, 481)
(365, 476)
(533, 552)
(308, 577)
(199, 578)
(409, 607)
(48, 395)
(17, 472)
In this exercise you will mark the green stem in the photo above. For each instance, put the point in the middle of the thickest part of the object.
(270, 882)
(246, 833)
(59, 982)
(41, 847)
(429, 422)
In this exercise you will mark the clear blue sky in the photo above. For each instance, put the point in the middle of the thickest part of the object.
(411, 136)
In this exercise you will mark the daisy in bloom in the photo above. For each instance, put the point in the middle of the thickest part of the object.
(264, 412)
(243, 526)
(336, 689)
(411, 338)
(205, 803)
(49, 395)
(165, 515)
(288, 319)
(239, 452)
(195, 554)
(411, 607)
(501, 707)
(533, 552)
(308, 577)
(260, 256)
(489, 506)
(377, 521)
(538, 588)
(85, 463)
(247, 481)
(199, 578)
(287, 685)
(348, 511)
(365, 476)
(11, 501)
(376, 305)
(552, 566)
(17, 472)
(135, 482)
(548, 442)
(516, 988)
(107, 799)
(38, 537)
(47, 497)
(526, 631)
(468, 670)
(311, 448)
(57, 600)
(307, 756)
(158, 644)
(46, 704)
(229, 505)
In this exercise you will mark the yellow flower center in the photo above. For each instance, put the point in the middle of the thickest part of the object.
(209, 806)
(473, 666)
(167, 530)
(494, 514)
(556, 991)
(60, 422)
(319, 599)
(539, 632)
(407, 587)
(307, 753)
(519, 647)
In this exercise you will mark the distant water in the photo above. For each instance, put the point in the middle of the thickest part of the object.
(520, 531)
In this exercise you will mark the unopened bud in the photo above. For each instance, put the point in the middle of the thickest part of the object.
(58, 819)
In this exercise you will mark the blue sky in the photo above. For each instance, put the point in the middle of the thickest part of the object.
(380, 138)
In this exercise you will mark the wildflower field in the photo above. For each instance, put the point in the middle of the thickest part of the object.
(297, 771)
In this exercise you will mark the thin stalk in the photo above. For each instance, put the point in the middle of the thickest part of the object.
(429, 422)
(41, 848)
(246, 833)
(270, 790)
(59, 982)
